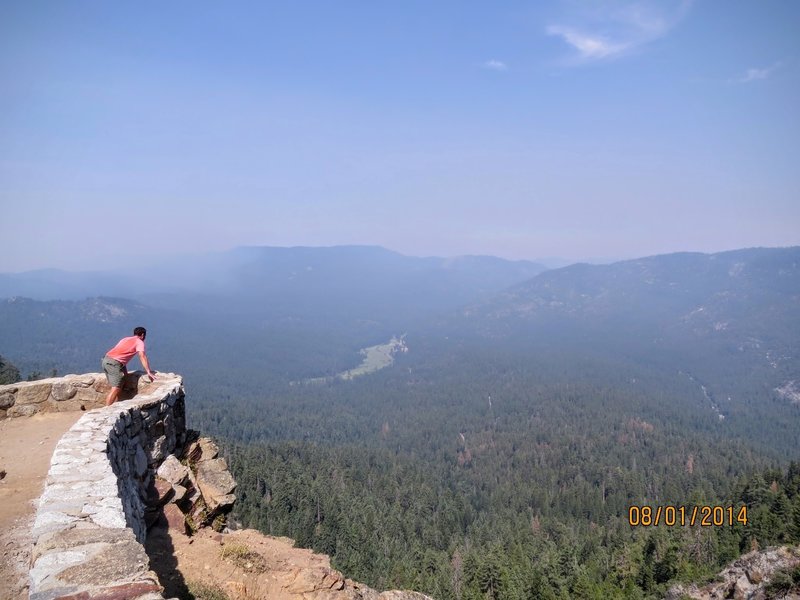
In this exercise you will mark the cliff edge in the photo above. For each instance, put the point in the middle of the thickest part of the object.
(135, 506)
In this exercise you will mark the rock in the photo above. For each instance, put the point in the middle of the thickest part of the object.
(63, 390)
(208, 449)
(197, 515)
(175, 519)
(88, 394)
(192, 452)
(160, 449)
(26, 410)
(6, 400)
(179, 493)
(72, 405)
(742, 588)
(164, 491)
(33, 394)
(173, 471)
(201, 450)
(140, 462)
(747, 577)
(333, 580)
(117, 562)
(193, 494)
(402, 595)
(309, 581)
(125, 591)
(81, 381)
(143, 384)
(101, 386)
(74, 537)
(755, 575)
(215, 483)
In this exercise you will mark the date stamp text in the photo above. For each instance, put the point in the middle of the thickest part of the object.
(680, 516)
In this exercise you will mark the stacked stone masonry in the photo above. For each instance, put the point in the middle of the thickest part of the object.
(57, 394)
(90, 523)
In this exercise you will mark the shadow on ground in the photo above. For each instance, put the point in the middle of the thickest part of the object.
(163, 562)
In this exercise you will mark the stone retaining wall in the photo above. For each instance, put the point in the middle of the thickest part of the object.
(90, 525)
(57, 394)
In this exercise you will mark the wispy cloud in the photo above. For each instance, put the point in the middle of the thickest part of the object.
(613, 29)
(756, 74)
(494, 65)
(589, 46)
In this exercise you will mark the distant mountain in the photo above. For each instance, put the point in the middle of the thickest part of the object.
(728, 322)
(361, 282)
(65, 334)
(308, 310)
(657, 287)
(55, 284)
(748, 297)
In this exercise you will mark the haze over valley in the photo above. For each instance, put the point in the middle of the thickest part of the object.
(522, 414)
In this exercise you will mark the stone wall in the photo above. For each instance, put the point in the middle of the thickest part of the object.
(73, 392)
(90, 523)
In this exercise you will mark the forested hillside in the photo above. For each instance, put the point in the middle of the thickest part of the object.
(400, 475)
(499, 457)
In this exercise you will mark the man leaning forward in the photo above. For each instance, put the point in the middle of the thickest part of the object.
(115, 361)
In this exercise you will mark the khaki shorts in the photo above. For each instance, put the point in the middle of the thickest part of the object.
(114, 370)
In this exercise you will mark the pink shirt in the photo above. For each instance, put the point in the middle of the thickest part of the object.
(126, 349)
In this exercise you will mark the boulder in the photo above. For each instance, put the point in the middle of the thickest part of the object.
(6, 400)
(175, 519)
(160, 492)
(201, 450)
(33, 394)
(742, 588)
(745, 578)
(63, 390)
(172, 471)
(26, 410)
(215, 483)
(208, 448)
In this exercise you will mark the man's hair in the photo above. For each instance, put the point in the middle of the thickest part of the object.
(140, 331)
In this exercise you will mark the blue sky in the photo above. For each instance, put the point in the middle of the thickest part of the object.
(518, 129)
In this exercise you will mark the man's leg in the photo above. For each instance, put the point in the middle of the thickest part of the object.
(115, 374)
(113, 395)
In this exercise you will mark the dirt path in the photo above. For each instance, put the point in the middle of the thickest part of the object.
(26, 445)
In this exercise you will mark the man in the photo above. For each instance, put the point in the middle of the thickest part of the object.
(115, 361)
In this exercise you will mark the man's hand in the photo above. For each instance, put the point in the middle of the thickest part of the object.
(152, 375)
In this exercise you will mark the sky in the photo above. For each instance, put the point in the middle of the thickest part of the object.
(580, 130)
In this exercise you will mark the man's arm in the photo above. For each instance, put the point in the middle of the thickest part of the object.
(146, 365)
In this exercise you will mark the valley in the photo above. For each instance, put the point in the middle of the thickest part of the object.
(375, 358)
(503, 451)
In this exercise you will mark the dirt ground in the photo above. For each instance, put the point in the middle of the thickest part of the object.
(26, 445)
(243, 565)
